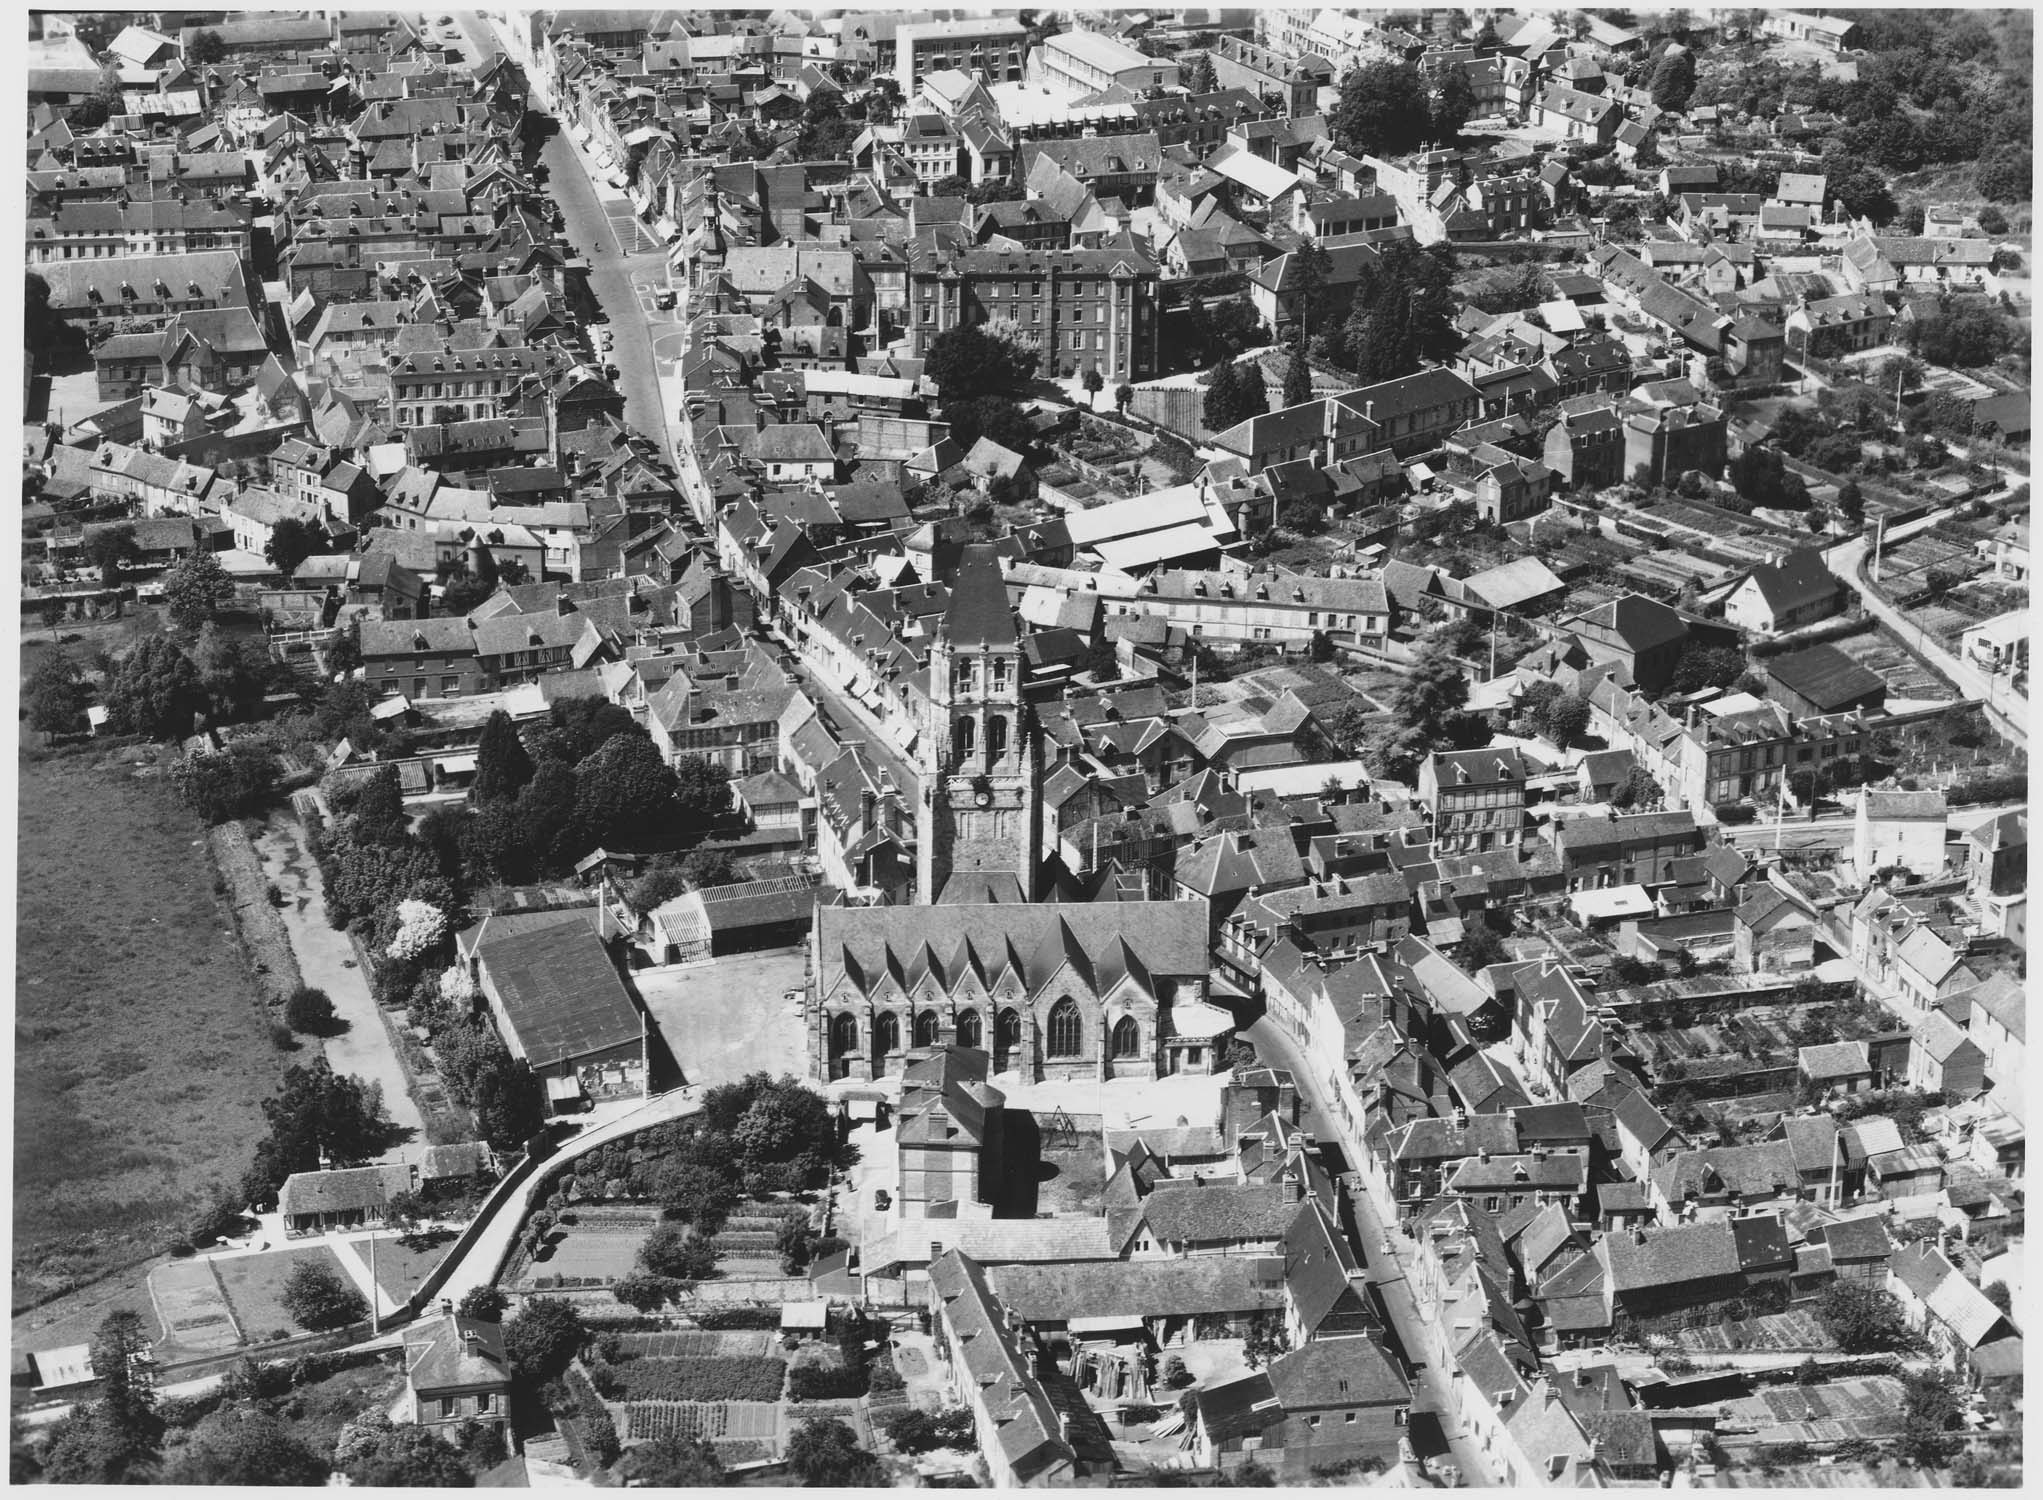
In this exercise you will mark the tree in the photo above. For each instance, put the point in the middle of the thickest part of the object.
(1265, 1342)
(924, 1432)
(543, 1336)
(421, 927)
(2005, 177)
(234, 673)
(110, 550)
(824, 1454)
(155, 692)
(580, 727)
(673, 1463)
(220, 785)
(407, 1458)
(1992, 220)
(1124, 397)
(1199, 77)
(1703, 667)
(673, 1250)
(1930, 1407)
(316, 1297)
(1998, 1293)
(990, 416)
(1851, 502)
(1674, 79)
(1453, 105)
(1253, 1476)
(793, 1242)
(696, 1193)
(1222, 395)
(624, 795)
(206, 48)
(291, 542)
(1566, 717)
(1427, 708)
(484, 1302)
(1382, 110)
(316, 1112)
(502, 768)
(967, 361)
(240, 1445)
(702, 795)
(192, 589)
(510, 1107)
(1094, 383)
(309, 1011)
(703, 868)
(1298, 373)
(55, 695)
(1864, 1319)
(1480, 946)
(1638, 790)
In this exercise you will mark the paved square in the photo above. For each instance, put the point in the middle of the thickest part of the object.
(724, 1019)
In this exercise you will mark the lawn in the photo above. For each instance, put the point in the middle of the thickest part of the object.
(141, 1051)
(399, 1270)
(255, 1288)
(581, 1256)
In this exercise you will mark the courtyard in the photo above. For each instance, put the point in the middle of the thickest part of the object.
(724, 1020)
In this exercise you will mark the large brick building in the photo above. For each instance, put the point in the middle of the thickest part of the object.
(1086, 308)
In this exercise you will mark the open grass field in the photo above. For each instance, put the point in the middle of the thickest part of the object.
(600, 1255)
(194, 1312)
(141, 1053)
(255, 1288)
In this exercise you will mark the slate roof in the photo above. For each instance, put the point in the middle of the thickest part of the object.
(1198, 1284)
(452, 1353)
(1798, 580)
(561, 993)
(1196, 1214)
(1338, 1372)
(1826, 677)
(1649, 1258)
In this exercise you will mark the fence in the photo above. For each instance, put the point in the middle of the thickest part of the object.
(499, 1198)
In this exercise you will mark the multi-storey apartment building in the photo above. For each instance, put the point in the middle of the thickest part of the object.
(1087, 62)
(993, 45)
(1086, 308)
(1477, 798)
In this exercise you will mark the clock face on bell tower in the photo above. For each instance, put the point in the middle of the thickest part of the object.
(980, 821)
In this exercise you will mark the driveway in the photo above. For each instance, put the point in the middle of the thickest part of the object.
(327, 961)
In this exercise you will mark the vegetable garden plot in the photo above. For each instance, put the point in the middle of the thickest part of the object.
(689, 1379)
(696, 1343)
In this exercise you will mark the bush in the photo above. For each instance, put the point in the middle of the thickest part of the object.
(726, 1319)
(820, 1383)
(318, 1299)
(1734, 812)
(923, 1432)
(2009, 788)
(309, 1011)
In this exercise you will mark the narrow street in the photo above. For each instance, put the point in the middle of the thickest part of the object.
(326, 960)
(593, 226)
(1431, 1385)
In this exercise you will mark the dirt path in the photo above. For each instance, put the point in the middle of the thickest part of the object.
(327, 961)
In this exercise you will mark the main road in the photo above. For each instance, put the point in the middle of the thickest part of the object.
(1386, 1272)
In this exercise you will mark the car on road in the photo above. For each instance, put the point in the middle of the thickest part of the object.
(663, 300)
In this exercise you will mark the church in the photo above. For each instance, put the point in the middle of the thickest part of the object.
(1050, 991)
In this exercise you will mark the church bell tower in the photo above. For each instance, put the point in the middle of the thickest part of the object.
(979, 822)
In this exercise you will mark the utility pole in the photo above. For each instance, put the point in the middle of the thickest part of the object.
(375, 1297)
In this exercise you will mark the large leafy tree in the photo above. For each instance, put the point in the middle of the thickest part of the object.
(155, 691)
(1674, 78)
(823, 1453)
(624, 795)
(1453, 104)
(192, 589)
(967, 361)
(55, 695)
(111, 550)
(291, 542)
(315, 1112)
(319, 1298)
(502, 768)
(406, 1458)
(673, 1463)
(990, 416)
(543, 1336)
(1382, 110)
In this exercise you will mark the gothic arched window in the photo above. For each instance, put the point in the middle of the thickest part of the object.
(970, 1031)
(963, 735)
(925, 1029)
(1065, 1029)
(996, 739)
(1127, 1037)
(886, 1032)
(1007, 1031)
(843, 1033)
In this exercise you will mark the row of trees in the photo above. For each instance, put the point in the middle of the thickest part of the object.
(1390, 109)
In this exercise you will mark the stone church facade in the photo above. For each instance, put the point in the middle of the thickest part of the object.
(1051, 992)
